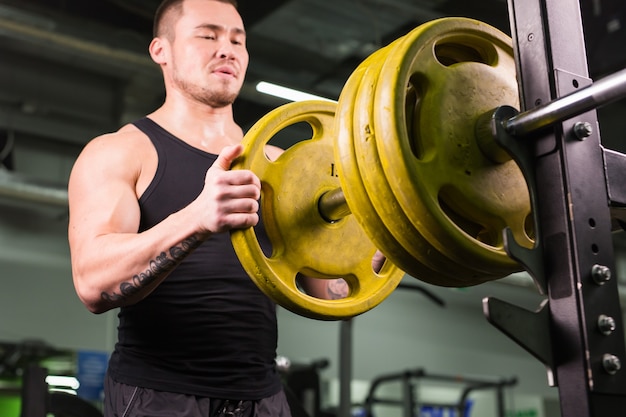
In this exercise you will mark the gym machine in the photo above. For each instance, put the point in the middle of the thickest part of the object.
(22, 362)
(303, 386)
(410, 403)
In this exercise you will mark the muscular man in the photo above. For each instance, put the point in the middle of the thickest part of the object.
(150, 208)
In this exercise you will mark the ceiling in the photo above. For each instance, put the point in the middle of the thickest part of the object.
(78, 68)
(72, 69)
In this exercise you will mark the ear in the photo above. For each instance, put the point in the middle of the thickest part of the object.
(158, 50)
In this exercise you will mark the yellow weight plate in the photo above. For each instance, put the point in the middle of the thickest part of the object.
(350, 176)
(423, 261)
(459, 69)
(353, 182)
(302, 241)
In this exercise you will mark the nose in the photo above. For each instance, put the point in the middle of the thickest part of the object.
(225, 49)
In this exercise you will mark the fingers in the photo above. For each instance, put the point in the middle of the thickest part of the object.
(233, 183)
(238, 201)
(226, 158)
(230, 196)
(224, 162)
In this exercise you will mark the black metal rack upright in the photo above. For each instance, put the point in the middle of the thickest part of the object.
(576, 187)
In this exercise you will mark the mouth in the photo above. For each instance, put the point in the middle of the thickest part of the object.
(225, 70)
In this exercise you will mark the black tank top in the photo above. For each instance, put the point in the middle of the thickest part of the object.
(207, 329)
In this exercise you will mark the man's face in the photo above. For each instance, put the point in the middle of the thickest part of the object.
(209, 56)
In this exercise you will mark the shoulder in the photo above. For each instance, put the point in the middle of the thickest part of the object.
(126, 138)
(128, 142)
(122, 151)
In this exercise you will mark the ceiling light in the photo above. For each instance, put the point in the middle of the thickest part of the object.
(286, 93)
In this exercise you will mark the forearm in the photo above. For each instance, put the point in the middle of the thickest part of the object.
(334, 289)
(325, 289)
(117, 269)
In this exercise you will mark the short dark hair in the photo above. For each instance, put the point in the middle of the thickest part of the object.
(175, 6)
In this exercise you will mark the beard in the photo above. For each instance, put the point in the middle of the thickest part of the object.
(218, 95)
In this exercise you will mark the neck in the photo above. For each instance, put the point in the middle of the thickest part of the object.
(201, 126)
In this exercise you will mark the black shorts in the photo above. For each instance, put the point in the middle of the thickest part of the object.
(121, 400)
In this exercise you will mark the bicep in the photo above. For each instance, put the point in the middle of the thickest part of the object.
(101, 193)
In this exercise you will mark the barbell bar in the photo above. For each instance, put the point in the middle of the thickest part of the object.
(604, 91)
(333, 205)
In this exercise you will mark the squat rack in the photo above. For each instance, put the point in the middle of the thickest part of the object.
(578, 194)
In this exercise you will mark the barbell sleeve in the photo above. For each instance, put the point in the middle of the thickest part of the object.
(332, 205)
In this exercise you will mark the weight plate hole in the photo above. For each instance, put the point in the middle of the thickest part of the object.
(469, 226)
(292, 134)
(328, 289)
(452, 51)
(260, 231)
(412, 108)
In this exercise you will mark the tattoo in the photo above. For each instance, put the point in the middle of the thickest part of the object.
(162, 264)
(337, 289)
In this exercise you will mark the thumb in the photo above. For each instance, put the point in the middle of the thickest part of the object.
(227, 156)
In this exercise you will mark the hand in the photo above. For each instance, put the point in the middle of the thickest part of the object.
(377, 261)
(229, 199)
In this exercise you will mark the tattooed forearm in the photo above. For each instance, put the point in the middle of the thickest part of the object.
(159, 266)
(178, 253)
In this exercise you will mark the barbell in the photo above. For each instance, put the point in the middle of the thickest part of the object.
(420, 175)
(413, 181)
